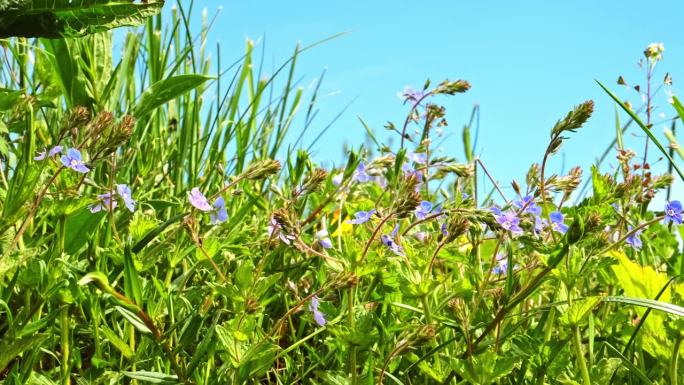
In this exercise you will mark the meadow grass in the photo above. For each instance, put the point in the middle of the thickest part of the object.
(157, 227)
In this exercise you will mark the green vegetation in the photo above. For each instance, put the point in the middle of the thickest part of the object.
(156, 229)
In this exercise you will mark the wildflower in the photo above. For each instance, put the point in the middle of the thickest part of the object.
(408, 170)
(360, 174)
(380, 181)
(445, 232)
(423, 209)
(198, 200)
(530, 206)
(337, 179)
(634, 240)
(218, 214)
(361, 217)
(74, 161)
(508, 220)
(417, 157)
(557, 222)
(318, 316)
(539, 224)
(409, 94)
(501, 266)
(392, 245)
(654, 51)
(53, 151)
(421, 236)
(125, 193)
(323, 239)
(673, 212)
(276, 229)
(106, 201)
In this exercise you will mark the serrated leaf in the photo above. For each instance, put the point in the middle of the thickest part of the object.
(68, 18)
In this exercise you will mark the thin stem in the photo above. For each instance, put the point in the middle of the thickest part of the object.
(674, 360)
(577, 340)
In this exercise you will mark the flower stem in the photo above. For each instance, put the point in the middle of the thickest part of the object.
(674, 360)
(580, 356)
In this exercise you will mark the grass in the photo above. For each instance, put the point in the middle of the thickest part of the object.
(428, 284)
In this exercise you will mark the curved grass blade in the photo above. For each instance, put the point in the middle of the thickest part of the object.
(643, 128)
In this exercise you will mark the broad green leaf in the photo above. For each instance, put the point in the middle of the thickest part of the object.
(580, 309)
(70, 18)
(116, 341)
(13, 347)
(79, 229)
(166, 90)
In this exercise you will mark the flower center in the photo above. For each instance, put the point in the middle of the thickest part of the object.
(506, 224)
(74, 162)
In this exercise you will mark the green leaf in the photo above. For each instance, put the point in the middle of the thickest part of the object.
(68, 18)
(132, 286)
(166, 90)
(580, 309)
(79, 229)
(153, 377)
(649, 303)
(11, 348)
(116, 341)
(134, 320)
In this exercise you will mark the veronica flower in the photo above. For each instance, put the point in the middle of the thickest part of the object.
(445, 232)
(673, 212)
(557, 224)
(318, 316)
(218, 214)
(411, 95)
(423, 209)
(73, 160)
(529, 204)
(361, 217)
(106, 201)
(125, 194)
(421, 236)
(392, 245)
(275, 229)
(360, 174)
(508, 220)
(323, 239)
(198, 200)
(337, 179)
(634, 240)
(53, 151)
(501, 266)
(408, 171)
(417, 157)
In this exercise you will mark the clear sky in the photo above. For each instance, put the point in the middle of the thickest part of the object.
(528, 62)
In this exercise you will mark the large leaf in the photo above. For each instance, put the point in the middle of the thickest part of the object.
(11, 348)
(166, 90)
(71, 18)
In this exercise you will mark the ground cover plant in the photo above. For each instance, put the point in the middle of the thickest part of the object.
(156, 229)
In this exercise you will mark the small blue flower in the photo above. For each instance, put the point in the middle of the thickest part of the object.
(445, 232)
(501, 267)
(53, 151)
(673, 212)
(74, 161)
(106, 201)
(508, 220)
(529, 204)
(361, 217)
(276, 229)
(337, 179)
(557, 224)
(360, 174)
(423, 209)
(411, 95)
(125, 194)
(393, 246)
(634, 240)
(417, 157)
(218, 214)
(323, 239)
(318, 316)
(198, 200)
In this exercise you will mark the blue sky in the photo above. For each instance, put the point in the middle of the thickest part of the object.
(528, 64)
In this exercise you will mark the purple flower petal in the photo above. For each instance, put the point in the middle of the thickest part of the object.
(198, 200)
